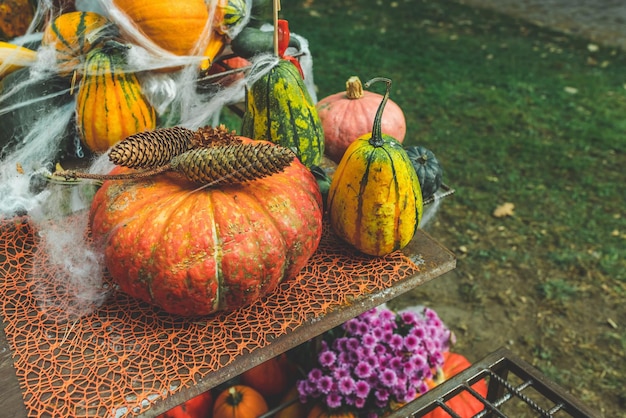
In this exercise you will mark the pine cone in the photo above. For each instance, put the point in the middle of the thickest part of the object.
(232, 163)
(152, 148)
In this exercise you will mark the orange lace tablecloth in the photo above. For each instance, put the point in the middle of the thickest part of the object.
(126, 358)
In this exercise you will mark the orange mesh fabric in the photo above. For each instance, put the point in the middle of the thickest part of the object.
(121, 356)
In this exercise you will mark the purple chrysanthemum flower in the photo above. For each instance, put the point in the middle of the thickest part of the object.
(396, 341)
(353, 344)
(340, 372)
(314, 375)
(346, 385)
(327, 358)
(409, 317)
(388, 377)
(363, 370)
(382, 394)
(377, 333)
(361, 389)
(334, 400)
(351, 326)
(325, 384)
(369, 340)
(396, 363)
(359, 402)
(386, 315)
(411, 342)
(419, 332)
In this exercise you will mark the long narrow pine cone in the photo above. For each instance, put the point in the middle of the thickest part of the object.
(152, 149)
(232, 163)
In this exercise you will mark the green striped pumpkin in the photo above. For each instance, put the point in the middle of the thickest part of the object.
(72, 35)
(109, 104)
(375, 202)
(280, 109)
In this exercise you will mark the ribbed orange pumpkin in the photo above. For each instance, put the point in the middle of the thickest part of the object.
(195, 251)
(173, 25)
(73, 35)
(349, 114)
(239, 401)
(110, 105)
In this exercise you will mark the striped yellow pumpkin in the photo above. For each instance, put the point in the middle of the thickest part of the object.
(73, 35)
(375, 202)
(109, 104)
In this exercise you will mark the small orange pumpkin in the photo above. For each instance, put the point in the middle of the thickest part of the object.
(349, 114)
(271, 377)
(239, 401)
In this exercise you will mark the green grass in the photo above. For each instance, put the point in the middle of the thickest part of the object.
(515, 113)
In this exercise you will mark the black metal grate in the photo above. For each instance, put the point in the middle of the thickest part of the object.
(515, 389)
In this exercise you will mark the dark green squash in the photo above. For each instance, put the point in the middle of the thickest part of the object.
(280, 109)
(428, 169)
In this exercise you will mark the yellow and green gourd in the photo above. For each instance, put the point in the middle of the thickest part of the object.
(280, 109)
(375, 202)
(109, 104)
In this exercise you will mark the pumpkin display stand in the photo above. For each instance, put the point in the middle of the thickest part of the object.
(127, 358)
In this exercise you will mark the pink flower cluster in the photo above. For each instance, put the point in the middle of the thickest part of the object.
(377, 358)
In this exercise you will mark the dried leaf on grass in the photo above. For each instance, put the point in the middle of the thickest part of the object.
(503, 210)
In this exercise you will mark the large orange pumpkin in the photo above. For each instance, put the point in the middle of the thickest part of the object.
(193, 250)
(349, 114)
(175, 26)
(464, 404)
(239, 401)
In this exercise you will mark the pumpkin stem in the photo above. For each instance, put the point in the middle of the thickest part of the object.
(234, 396)
(73, 174)
(377, 132)
(354, 88)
